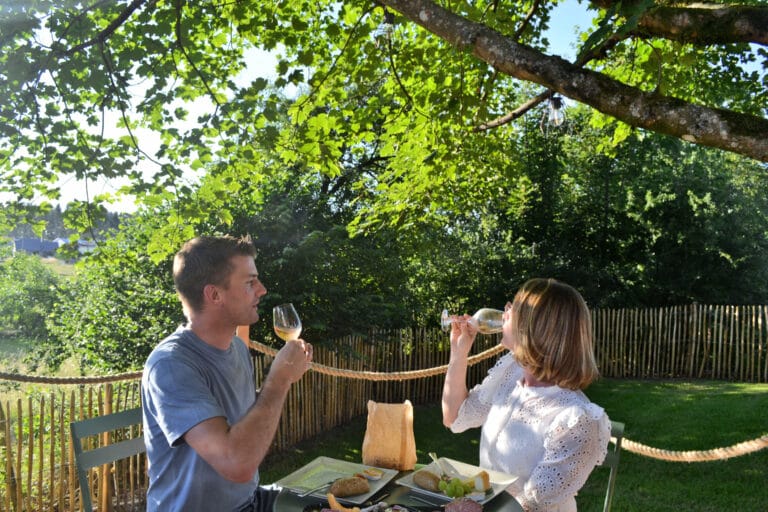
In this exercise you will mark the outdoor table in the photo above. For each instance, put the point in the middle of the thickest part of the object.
(288, 501)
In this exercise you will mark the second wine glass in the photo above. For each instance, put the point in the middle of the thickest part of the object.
(485, 320)
(286, 322)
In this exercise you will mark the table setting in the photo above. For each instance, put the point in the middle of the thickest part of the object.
(366, 488)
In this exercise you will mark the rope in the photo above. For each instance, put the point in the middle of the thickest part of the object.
(383, 376)
(697, 456)
(320, 368)
(70, 380)
(627, 444)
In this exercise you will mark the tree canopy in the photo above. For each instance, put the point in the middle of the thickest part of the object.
(649, 62)
(155, 94)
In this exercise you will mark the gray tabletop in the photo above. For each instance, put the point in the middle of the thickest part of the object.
(395, 494)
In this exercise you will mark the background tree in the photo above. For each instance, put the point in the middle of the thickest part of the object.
(655, 65)
(394, 135)
(74, 72)
(692, 230)
(117, 307)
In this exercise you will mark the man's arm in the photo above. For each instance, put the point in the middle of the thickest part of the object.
(236, 451)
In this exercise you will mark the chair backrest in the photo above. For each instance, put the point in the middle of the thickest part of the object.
(612, 461)
(119, 449)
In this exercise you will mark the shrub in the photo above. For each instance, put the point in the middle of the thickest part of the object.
(28, 289)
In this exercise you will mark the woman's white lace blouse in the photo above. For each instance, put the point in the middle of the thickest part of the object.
(550, 437)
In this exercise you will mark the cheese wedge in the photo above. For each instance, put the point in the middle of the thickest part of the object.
(482, 481)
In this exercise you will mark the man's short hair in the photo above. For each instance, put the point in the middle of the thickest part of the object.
(206, 260)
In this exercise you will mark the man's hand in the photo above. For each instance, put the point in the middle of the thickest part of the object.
(293, 360)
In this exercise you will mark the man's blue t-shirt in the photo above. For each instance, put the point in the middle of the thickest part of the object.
(186, 381)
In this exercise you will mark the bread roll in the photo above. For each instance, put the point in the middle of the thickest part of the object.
(426, 480)
(349, 486)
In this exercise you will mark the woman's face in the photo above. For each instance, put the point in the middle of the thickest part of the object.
(508, 332)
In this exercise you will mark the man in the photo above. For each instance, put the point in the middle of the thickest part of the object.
(205, 427)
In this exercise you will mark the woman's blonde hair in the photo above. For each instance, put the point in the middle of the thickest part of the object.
(554, 333)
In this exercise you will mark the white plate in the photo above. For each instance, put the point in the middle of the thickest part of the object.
(499, 481)
(323, 470)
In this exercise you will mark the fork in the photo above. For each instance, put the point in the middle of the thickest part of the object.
(315, 489)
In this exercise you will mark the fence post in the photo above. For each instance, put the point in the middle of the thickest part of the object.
(105, 489)
(10, 474)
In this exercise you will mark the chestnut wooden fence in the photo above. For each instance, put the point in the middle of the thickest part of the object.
(37, 472)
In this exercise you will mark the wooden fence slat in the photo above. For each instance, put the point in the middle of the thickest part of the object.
(5, 423)
(31, 443)
(58, 425)
(19, 454)
(71, 458)
(761, 343)
(40, 452)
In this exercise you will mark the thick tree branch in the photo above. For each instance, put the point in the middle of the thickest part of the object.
(741, 133)
(703, 25)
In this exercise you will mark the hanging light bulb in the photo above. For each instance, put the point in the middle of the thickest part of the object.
(383, 32)
(556, 111)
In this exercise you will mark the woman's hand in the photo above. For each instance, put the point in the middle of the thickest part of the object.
(463, 335)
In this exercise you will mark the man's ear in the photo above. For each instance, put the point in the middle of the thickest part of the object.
(211, 294)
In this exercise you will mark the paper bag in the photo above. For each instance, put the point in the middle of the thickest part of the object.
(389, 441)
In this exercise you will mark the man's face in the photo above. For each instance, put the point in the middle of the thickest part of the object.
(244, 291)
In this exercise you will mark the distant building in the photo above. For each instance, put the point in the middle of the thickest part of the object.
(48, 248)
(84, 246)
(35, 246)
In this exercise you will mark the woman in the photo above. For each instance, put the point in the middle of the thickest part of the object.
(536, 422)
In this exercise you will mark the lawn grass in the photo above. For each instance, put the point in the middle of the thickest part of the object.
(671, 415)
(60, 267)
(678, 415)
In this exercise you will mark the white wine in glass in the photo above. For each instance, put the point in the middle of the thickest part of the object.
(286, 322)
(485, 320)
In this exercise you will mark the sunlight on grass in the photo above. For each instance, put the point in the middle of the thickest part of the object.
(58, 266)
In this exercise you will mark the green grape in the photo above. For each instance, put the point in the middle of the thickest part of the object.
(455, 488)
(442, 485)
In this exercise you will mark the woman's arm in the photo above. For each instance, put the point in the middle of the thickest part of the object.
(455, 386)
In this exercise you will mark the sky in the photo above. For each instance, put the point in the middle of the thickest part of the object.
(566, 19)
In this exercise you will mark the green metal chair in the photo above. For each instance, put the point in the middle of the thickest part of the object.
(612, 461)
(119, 449)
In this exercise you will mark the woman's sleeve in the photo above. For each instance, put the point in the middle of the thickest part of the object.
(476, 406)
(575, 443)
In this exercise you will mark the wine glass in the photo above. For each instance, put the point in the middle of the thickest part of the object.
(286, 321)
(485, 320)
(445, 320)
